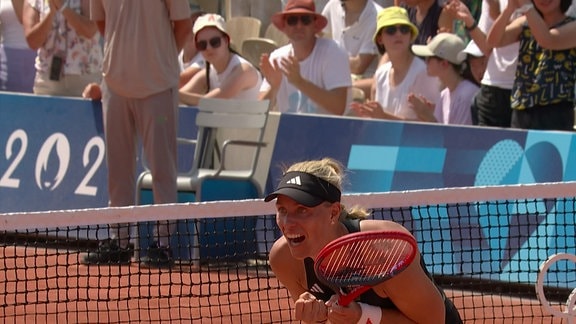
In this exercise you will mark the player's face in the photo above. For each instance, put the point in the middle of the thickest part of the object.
(304, 228)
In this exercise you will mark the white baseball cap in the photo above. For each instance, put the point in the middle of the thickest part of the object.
(473, 49)
(446, 46)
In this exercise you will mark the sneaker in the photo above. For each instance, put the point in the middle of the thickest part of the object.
(157, 257)
(109, 252)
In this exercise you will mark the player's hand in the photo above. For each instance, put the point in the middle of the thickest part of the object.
(338, 314)
(309, 309)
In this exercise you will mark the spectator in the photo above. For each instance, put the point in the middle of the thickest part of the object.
(477, 61)
(16, 59)
(68, 44)
(543, 91)
(301, 76)
(351, 24)
(310, 215)
(401, 80)
(445, 59)
(190, 59)
(492, 104)
(429, 18)
(261, 9)
(458, 26)
(141, 102)
(227, 74)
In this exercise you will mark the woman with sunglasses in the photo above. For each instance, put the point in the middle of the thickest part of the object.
(227, 74)
(403, 80)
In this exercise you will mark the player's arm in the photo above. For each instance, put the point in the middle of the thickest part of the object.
(416, 296)
(290, 272)
(282, 264)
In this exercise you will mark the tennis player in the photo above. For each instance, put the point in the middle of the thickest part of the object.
(310, 215)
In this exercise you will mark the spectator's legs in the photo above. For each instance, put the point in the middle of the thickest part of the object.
(120, 155)
(156, 121)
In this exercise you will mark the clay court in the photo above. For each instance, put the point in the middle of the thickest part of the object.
(49, 286)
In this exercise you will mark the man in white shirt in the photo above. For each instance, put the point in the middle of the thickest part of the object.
(351, 23)
(310, 74)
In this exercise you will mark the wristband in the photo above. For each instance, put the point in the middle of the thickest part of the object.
(471, 28)
(370, 314)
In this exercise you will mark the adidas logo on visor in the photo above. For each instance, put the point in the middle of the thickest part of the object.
(295, 180)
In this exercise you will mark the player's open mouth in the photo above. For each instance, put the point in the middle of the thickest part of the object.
(294, 238)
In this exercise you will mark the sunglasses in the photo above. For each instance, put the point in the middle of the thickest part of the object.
(304, 19)
(391, 30)
(214, 42)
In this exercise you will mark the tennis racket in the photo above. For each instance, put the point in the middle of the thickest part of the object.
(354, 263)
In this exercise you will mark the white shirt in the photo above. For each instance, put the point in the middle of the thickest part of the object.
(394, 99)
(501, 66)
(454, 107)
(11, 31)
(327, 67)
(197, 61)
(357, 38)
(217, 78)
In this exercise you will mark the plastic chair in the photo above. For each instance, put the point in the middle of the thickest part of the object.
(276, 35)
(209, 6)
(225, 117)
(240, 28)
(253, 48)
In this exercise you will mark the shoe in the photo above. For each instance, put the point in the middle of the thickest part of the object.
(109, 252)
(157, 257)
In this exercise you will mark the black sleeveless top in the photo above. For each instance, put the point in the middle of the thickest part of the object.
(323, 292)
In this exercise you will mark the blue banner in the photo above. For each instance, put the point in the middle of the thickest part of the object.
(53, 152)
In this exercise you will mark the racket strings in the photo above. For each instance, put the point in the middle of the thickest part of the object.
(365, 260)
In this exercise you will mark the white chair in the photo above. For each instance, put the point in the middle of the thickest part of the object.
(276, 35)
(254, 47)
(224, 121)
(210, 6)
(240, 28)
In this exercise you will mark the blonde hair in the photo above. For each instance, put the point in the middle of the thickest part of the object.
(332, 171)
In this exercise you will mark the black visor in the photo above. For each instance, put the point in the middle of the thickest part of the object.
(305, 188)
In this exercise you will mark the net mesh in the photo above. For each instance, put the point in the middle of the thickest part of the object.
(484, 246)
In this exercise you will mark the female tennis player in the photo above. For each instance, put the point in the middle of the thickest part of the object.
(310, 216)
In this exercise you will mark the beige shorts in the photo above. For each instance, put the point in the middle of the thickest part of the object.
(67, 86)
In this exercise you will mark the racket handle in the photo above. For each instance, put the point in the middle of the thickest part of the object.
(345, 300)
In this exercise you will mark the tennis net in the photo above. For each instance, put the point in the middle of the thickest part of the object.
(484, 246)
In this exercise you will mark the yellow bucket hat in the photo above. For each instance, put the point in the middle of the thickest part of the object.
(392, 16)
